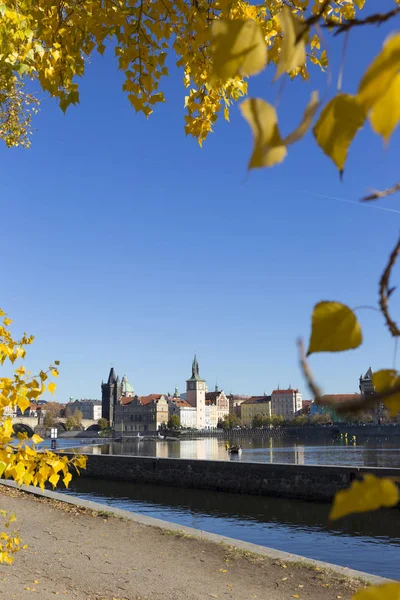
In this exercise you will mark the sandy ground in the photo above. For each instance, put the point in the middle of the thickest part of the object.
(77, 554)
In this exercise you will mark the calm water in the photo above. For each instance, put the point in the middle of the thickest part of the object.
(385, 453)
(369, 542)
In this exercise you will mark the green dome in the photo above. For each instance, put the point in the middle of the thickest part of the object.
(126, 386)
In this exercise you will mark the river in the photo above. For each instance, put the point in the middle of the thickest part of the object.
(369, 453)
(367, 542)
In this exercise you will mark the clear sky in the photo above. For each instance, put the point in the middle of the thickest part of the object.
(125, 243)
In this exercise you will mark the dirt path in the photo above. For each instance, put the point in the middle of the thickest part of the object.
(80, 555)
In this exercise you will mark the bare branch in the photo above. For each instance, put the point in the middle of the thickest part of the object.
(376, 195)
(313, 387)
(385, 291)
(354, 405)
(375, 19)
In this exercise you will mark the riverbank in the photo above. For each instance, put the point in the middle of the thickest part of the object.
(84, 555)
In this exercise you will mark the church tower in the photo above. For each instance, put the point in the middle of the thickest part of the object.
(196, 394)
(110, 395)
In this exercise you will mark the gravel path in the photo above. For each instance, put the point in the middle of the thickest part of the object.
(80, 555)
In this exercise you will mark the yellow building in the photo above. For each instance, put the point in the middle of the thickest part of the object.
(256, 405)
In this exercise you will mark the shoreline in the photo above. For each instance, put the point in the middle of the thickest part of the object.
(189, 532)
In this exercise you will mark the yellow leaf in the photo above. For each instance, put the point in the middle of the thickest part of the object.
(337, 125)
(36, 439)
(23, 403)
(359, 4)
(54, 373)
(295, 596)
(305, 124)
(382, 381)
(238, 48)
(268, 149)
(67, 479)
(334, 328)
(36, 582)
(387, 591)
(380, 73)
(51, 387)
(292, 54)
(385, 114)
(370, 494)
(54, 479)
(12, 518)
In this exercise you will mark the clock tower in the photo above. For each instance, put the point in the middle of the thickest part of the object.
(196, 394)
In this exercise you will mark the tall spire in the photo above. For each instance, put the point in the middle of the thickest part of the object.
(195, 368)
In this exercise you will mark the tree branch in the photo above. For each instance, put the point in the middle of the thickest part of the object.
(385, 291)
(376, 195)
(375, 19)
(354, 405)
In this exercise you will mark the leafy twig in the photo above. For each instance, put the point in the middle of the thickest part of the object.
(354, 405)
(385, 291)
(313, 20)
(376, 195)
(375, 19)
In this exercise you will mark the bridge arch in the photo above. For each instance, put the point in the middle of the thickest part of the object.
(23, 428)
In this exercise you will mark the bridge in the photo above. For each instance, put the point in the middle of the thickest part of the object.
(33, 422)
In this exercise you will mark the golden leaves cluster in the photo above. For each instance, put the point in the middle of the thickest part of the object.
(20, 459)
(52, 42)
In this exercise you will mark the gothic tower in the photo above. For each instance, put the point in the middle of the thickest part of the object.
(110, 395)
(196, 394)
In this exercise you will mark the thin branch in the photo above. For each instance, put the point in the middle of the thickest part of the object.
(313, 20)
(376, 195)
(313, 387)
(375, 19)
(341, 70)
(355, 405)
(385, 291)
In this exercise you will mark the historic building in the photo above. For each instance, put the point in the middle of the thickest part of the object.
(134, 414)
(185, 411)
(235, 402)
(255, 405)
(111, 393)
(286, 403)
(196, 394)
(218, 407)
(90, 409)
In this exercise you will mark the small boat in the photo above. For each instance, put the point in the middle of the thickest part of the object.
(234, 450)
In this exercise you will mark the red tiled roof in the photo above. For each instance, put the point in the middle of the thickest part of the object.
(150, 398)
(181, 403)
(126, 400)
(291, 391)
(257, 400)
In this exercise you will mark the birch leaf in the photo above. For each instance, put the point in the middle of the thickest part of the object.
(385, 114)
(293, 53)
(337, 125)
(334, 328)
(268, 149)
(362, 496)
(238, 48)
(380, 73)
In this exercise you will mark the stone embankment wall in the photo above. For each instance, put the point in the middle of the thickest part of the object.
(287, 481)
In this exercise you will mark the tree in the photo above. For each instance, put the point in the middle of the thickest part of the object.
(51, 44)
(229, 422)
(78, 416)
(174, 422)
(261, 420)
(102, 423)
(19, 461)
(52, 411)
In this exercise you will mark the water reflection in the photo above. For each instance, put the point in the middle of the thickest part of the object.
(385, 453)
(368, 542)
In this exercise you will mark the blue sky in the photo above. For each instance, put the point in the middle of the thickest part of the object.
(125, 243)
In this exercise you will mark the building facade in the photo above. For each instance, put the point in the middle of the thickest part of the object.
(255, 405)
(185, 411)
(141, 414)
(218, 407)
(286, 403)
(196, 394)
(90, 409)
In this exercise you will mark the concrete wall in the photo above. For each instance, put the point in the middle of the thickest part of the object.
(287, 481)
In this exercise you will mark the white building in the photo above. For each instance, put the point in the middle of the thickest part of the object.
(286, 403)
(185, 411)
